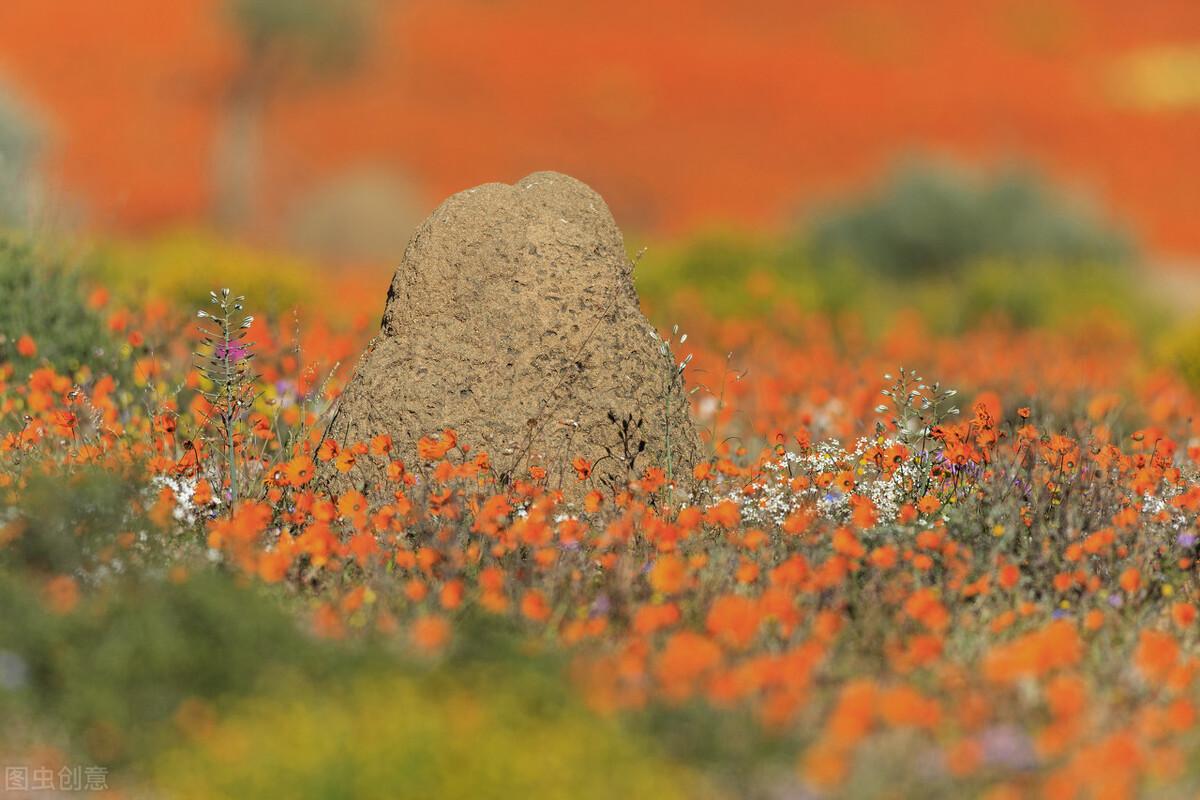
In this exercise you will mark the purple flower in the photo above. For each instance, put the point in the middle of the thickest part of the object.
(1006, 746)
(601, 606)
(234, 351)
(1186, 539)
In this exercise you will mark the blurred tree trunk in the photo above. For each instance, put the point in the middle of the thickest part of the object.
(286, 43)
(238, 151)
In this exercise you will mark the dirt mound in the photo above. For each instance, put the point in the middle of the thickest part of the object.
(513, 320)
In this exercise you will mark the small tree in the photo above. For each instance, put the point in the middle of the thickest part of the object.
(20, 142)
(283, 42)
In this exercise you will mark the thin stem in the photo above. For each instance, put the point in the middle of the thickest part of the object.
(230, 411)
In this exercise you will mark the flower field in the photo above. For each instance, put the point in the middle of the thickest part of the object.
(914, 564)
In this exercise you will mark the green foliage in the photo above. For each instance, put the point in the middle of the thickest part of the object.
(116, 670)
(1180, 348)
(182, 267)
(929, 219)
(737, 276)
(1030, 296)
(731, 274)
(44, 298)
(63, 520)
(731, 745)
(486, 733)
(205, 687)
(322, 34)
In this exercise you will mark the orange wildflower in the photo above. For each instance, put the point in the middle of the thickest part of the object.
(381, 445)
(430, 633)
(1131, 580)
(344, 461)
(826, 765)
(846, 543)
(725, 514)
(328, 450)
(352, 505)
(583, 468)
(202, 495)
(904, 706)
(687, 658)
(1035, 654)
(364, 547)
(451, 595)
(273, 566)
(924, 606)
(61, 594)
(854, 713)
(1009, 575)
(928, 504)
(1183, 614)
(669, 574)
(433, 449)
(734, 620)
(1156, 655)
(491, 579)
(416, 590)
(1066, 695)
(648, 619)
(534, 606)
(884, 557)
(863, 513)
(592, 501)
(799, 521)
(26, 347)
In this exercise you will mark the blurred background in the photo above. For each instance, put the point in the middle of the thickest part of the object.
(904, 137)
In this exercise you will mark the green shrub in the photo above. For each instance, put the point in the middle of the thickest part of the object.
(65, 520)
(733, 274)
(115, 671)
(728, 275)
(45, 299)
(931, 219)
(466, 735)
(182, 267)
(206, 687)
(1030, 295)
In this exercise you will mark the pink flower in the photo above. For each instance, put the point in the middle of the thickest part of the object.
(234, 351)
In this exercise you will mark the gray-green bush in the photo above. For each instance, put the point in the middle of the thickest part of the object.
(934, 219)
(20, 141)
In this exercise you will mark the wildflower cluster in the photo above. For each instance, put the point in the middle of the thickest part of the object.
(1005, 595)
